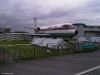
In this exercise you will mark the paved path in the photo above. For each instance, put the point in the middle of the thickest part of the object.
(62, 65)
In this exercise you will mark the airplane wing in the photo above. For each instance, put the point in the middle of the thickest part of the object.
(41, 35)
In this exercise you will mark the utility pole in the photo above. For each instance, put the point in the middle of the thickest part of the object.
(5, 33)
(35, 24)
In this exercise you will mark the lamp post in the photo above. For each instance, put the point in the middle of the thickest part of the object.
(5, 33)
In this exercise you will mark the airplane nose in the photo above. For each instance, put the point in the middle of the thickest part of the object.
(76, 31)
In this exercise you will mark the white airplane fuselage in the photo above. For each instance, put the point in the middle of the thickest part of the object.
(59, 30)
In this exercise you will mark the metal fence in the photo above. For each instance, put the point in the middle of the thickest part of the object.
(12, 53)
(20, 52)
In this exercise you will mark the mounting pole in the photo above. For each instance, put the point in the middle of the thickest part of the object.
(35, 24)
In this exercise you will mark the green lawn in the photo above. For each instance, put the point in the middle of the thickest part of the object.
(31, 51)
(28, 51)
(13, 42)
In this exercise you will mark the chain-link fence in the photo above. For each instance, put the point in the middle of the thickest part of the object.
(18, 52)
(10, 53)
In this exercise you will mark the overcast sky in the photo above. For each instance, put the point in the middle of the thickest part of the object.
(22, 12)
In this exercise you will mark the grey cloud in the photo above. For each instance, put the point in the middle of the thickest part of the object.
(17, 12)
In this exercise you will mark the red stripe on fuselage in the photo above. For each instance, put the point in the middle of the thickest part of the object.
(55, 29)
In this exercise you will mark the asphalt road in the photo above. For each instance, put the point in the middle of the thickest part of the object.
(62, 65)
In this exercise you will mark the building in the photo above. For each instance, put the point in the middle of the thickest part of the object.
(87, 30)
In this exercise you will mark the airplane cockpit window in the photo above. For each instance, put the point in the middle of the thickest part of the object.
(68, 27)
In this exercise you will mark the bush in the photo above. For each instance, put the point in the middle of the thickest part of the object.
(87, 47)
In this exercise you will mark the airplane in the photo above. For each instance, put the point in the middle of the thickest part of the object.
(57, 30)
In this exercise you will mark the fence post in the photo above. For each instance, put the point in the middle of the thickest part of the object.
(58, 49)
(19, 53)
(34, 51)
(77, 47)
(4, 58)
(2, 53)
(47, 50)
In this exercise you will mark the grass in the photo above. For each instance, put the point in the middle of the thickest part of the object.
(24, 52)
(31, 52)
(13, 42)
